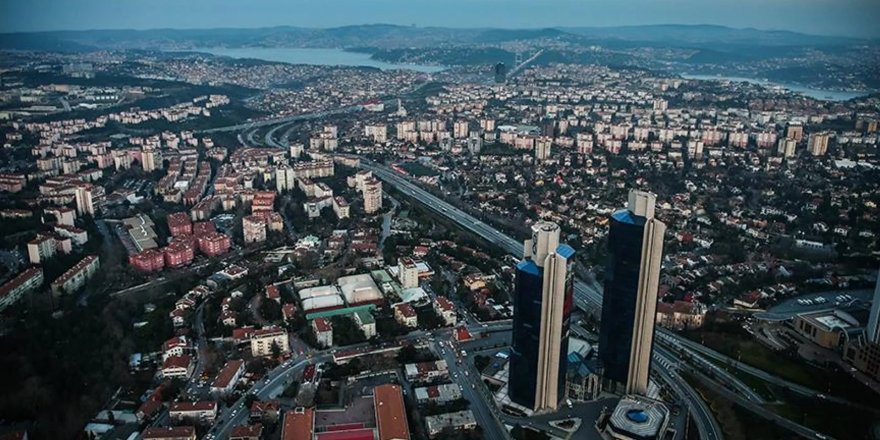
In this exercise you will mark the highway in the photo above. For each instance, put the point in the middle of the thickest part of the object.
(679, 342)
(759, 410)
(283, 120)
(706, 423)
(718, 373)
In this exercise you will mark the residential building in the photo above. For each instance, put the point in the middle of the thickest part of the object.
(446, 310)
(426, 371)
(372, 196)
(41, 249)
(203, 411)
(150, 260)
(264, 339)
(85, 204)
(169, 433)
(440, 394)
(408, 273)
(15, 288)
(247, 432)
(681, 315)
(227, 378)
(323, 332)
(177, 367)
(76, 276)
(543, 303)
(818, 144)
(366, 322)
(214, 243)
(456, 421)
(626, 334)
(406, 315)
(253, 228)
(179, 224)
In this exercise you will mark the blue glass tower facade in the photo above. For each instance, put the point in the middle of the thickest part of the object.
(629, 301)
(542, 301)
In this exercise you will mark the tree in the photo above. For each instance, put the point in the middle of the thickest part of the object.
(250, 399)
(276, 350)
(407, 354)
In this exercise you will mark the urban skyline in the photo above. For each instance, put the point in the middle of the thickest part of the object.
(823, 17)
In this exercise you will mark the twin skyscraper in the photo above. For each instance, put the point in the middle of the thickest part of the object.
(543, 300)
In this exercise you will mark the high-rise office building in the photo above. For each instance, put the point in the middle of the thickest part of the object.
(500, 73)
(626, 335)
(873, 329)
(542, 302)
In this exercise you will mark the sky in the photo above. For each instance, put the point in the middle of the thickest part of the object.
(823, 17)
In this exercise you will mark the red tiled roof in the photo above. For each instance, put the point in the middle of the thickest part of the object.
(19, 280)
(169, 432)
(224, 377)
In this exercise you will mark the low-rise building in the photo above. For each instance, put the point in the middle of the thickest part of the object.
(637, 417)
(227, 378)
(263, 341)
(864, 355)
(456, 421)
(365, 322)
(76, 276)
(445, 310)
(426, 371)
(247, 432)
(406, 315)
(177, 367)
(323, 332)
(681, 315)
(169, 433)
(15, 288)
(440, 394)
(201, 412)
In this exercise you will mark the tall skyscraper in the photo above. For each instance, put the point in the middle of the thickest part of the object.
(626, 335)
(873, 329)
(500, 73)
(542, 302)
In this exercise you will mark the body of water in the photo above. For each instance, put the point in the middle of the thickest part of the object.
(319, 57)
(825, 95)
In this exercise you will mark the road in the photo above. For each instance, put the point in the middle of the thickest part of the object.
(283, 120)
(473, 390)
(759, 410)
(720, 374)
(705, 421)
(679, 342)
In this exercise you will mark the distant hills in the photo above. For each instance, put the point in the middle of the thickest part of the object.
(383, 36)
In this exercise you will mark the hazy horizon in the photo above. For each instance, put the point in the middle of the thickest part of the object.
(850, 18)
